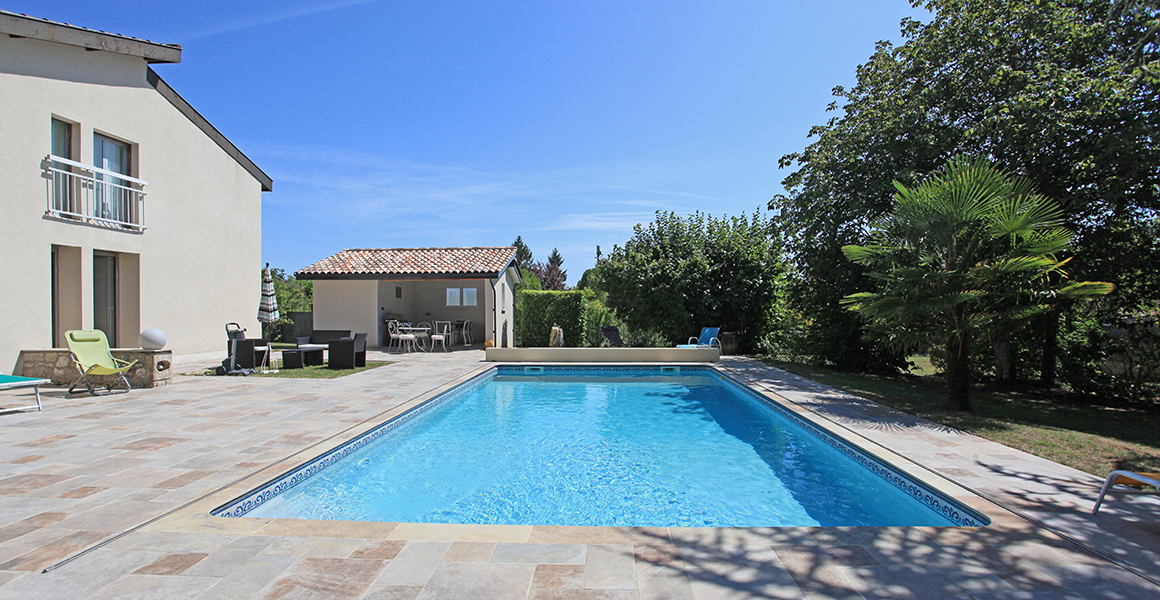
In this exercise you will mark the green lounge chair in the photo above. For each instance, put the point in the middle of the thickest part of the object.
(90, 353)
(11, 382)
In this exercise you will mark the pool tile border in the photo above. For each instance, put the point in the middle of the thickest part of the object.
(948, 507)
(288, 479)
(944, 504)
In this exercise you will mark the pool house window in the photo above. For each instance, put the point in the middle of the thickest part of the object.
(462, 297)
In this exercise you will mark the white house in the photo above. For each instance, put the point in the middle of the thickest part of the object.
(358, 290)
(124, 208)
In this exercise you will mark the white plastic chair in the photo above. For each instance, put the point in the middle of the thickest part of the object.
(442, 332)
(467, 333)
(402, 338)
(423, 338)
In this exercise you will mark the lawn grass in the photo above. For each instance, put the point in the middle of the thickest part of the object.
(1093, 434)
(322, 371)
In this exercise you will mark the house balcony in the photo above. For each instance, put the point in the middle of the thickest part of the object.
(88, 194)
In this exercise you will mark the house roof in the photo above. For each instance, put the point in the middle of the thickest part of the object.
(17, 25)
(202, 123)
(23, 26)
(412, 263)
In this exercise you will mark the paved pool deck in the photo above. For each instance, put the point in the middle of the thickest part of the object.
(154, 462)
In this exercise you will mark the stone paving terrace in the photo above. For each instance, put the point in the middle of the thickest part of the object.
(89, 469)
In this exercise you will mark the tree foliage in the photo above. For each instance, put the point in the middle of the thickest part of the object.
(523, 253)
(1143, 54)
(293, 296)
(965, 253)
(550, 273)
(676, 275)
(1052, 90)
(1112, 346)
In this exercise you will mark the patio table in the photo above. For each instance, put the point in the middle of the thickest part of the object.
(410, 329)
(306, 354)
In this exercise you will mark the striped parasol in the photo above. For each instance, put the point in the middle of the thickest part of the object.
(268, 308)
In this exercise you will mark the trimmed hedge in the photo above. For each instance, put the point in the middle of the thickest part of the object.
(542, 309)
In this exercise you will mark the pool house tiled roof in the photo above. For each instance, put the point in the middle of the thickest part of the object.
(412, 263)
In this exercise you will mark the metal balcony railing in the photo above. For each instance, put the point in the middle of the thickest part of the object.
(85, 193)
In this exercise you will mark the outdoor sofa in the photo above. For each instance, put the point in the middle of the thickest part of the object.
(309, 351)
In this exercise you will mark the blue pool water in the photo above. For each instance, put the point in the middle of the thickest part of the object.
(608, 448)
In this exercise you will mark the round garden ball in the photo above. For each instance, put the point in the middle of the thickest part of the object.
(152, 339)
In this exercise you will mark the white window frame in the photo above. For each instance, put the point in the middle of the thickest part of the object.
(453, 298)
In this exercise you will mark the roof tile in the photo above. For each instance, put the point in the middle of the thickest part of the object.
(412, 261)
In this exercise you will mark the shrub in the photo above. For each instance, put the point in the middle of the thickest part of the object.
(596, 315)
(679, 274)
(528, 281)
(1109, 353)
(543, 309)
(645, 338)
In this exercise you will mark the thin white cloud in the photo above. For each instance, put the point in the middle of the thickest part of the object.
(682, 194)
(335, 198)
(250, 22)
(355, 177)
(599, 221)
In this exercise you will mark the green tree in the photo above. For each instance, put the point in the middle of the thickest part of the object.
(1053, 90)
(552, 276)
(597, 314)
(293, 296)
(1112, 346)
(523, 253)
(589, 280)
(965, 253)
(1142, 55)
(676, 275)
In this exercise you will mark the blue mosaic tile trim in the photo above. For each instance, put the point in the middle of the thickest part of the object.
(589, 370)
(240, 506)
(953, 511)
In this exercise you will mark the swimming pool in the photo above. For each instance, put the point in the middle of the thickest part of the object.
(664, 447)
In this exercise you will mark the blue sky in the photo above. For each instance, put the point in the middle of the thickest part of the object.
(416, 124)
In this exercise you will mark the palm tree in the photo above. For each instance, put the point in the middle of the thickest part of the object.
(967, 252)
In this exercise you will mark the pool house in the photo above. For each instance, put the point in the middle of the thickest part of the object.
(361, 289)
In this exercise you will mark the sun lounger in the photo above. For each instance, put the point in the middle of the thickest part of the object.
(708, 339)
(612, 334)
(91, 355)
(1126, 478)
(14, 382)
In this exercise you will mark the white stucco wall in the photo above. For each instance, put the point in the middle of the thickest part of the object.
(198, 263)
(351, 305)
(504, 293)
(359, 305)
